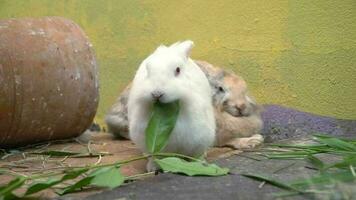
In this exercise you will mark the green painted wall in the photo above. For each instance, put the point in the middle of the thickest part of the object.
(298, 53)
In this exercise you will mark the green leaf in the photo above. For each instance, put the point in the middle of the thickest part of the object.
(78, 185)
(110, 178)
(288, 155)
(11, 186)
(324, 135)
(103, 177)
(56, 153)
(161, 124)
(272, 182)
(336, 143)
(347, 162)
(325, 178)
(36, 187)
(74, 174)
(98, 171)
(91, 154)
(177, 165)
(316, 162)
(71, 154)
(299, 146)
(9, 196)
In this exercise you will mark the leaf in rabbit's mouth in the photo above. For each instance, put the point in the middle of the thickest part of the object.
(163, 119)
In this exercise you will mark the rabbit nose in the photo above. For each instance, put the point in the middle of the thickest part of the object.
(241, 106)
(157, 94)
(238, 111)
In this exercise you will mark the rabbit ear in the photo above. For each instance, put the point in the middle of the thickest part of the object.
(184, 48)
(220, 75)
(251, 100)
(256, 107)
(161, 47)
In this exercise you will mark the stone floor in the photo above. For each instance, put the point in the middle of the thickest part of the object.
(233, 186)
(23, 161)
(281, 125)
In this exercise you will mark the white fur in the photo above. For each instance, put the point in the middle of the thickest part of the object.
(194, 131)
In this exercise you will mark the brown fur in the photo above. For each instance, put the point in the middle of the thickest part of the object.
(237, 115)
(117, 119)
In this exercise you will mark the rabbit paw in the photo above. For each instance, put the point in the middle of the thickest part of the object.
(246, 143)
(152, 166)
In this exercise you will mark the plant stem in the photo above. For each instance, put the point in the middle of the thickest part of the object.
(121, 162)
(136, 176)
(177, 155)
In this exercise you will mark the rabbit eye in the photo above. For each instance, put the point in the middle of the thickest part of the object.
(177, 72)
(221, 89)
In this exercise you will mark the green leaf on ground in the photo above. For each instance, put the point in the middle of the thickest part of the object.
(316, 162)
(36, 187)
(346, 163)
(272, 181)
(327, 178)
(10, 196)
(177, 165)
(111, 177)
(77, 186)
(161, 124)
(336, 143)
(103, 177)
(289, 155)
(56, 153)
(71, 154)
(324, 179)
(6, 190)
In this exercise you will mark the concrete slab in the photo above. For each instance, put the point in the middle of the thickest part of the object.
(280, 124)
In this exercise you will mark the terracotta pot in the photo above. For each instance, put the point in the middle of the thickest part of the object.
(48, 80)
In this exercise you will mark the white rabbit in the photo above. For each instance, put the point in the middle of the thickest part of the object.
(168, 75)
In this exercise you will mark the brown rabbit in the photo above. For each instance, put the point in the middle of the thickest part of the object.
(237, 116)
(117, 118)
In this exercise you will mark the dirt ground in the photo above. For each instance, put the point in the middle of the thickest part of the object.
(26, 160)
(280, 123)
